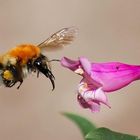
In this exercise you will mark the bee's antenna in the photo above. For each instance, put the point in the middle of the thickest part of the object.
(57, 60)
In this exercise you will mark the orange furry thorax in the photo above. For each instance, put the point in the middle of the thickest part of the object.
(25, 52)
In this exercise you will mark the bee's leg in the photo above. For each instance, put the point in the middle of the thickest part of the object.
(41, 65)
(8, 76)
(20, 84)
(30, 66)
(9, 83)
(17, 75)
(37, 73)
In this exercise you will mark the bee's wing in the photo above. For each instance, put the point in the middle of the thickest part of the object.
(59, 39)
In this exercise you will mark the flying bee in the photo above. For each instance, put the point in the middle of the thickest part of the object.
(17, 63)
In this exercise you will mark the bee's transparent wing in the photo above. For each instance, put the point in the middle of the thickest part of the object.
(59, 39)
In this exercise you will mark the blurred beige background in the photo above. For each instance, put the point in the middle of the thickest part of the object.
(108, 31)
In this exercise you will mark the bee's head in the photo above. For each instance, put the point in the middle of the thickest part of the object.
(42, 64)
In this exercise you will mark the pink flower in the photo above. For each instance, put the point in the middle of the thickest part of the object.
(99, 79)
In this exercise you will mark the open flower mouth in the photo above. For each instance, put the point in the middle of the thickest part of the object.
(79, 71)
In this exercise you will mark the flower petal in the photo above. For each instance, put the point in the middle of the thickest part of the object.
(82, 101)
(71, 64)
(86, 65)
(114, 75)
(91, 98)
(101, 97)
(94, 106)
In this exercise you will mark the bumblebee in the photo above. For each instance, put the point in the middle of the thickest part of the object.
(17, 63)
